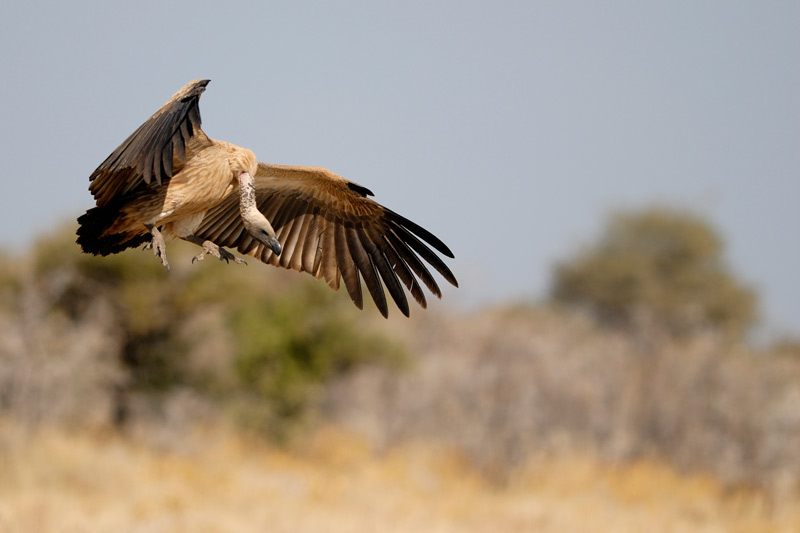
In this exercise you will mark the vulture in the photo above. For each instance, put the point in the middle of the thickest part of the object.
(169, 180)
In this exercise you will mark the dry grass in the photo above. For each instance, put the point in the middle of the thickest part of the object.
(55, 480)
(505, 386)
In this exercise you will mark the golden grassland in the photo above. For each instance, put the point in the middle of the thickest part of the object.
(216, 479)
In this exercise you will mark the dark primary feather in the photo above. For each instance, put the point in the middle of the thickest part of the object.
(360, 189)
(149, 153)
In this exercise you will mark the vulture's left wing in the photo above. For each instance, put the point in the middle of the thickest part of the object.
(156, 150)
(330, 229)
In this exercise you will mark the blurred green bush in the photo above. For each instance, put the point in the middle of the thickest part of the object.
(258, 340)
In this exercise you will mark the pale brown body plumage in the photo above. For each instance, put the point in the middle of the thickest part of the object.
(180, 204)
(169, 180)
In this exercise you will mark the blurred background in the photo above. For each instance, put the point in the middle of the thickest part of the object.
(618, 184)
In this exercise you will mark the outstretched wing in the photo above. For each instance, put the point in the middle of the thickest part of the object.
(156, 150)
(330, 229)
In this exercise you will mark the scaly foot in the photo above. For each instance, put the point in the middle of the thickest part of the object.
(213, 249)
(157, 244)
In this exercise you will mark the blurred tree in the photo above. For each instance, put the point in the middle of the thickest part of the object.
(273, 344)
(657, 266)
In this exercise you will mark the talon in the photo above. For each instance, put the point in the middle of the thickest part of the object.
(211, 248)
(158, 246)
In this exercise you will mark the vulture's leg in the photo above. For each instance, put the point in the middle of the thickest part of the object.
(211, 248)
(157, 244)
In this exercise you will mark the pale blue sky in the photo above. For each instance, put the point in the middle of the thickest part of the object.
(509, 129)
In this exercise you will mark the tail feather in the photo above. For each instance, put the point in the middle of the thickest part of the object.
(93, 239)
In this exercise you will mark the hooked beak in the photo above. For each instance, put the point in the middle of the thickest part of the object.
(264, 237)
(274, 245)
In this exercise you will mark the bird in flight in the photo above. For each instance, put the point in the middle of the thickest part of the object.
(169, 180)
